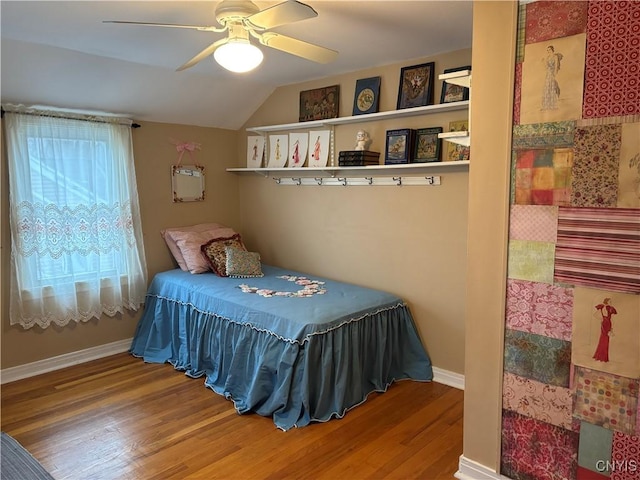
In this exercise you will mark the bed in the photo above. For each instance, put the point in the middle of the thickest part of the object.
(294, 347)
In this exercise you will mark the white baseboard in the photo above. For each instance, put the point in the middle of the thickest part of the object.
(448, 378)
(470, 470)
(12, 374)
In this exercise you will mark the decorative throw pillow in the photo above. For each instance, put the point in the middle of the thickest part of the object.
(242, 264)
(185, 242)
(171, 243)
(214, 252)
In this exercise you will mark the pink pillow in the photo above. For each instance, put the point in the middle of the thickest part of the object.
(189, 244)
(184, 241)
(171, 243)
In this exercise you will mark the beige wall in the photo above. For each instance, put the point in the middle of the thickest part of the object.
(409, 240)
(154, 155)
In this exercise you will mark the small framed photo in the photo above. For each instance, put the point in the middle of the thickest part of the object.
(427, 145)
(319, 103)
(416, 86)
(367, 95)
(255, 151)
(452, 92)
(399, 146)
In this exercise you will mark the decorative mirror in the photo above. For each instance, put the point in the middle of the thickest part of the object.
(187, 183)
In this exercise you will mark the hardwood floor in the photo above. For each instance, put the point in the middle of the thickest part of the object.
(119, 418)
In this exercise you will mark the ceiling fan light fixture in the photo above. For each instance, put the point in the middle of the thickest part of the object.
(238, 55)
(243, 18)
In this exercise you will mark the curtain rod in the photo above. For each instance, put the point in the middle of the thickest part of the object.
(133, 125)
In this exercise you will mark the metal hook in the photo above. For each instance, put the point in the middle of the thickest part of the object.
(319, 180)
(398, 180)
(343, 180)
(430, 180)
(278, 180)
(370, 180)
(297, 181)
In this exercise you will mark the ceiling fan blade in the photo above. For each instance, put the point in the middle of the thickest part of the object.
(202, 55)
(204, 28)
(287, 12)
(300, 48)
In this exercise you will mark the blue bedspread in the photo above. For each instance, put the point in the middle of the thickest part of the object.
(295, 347)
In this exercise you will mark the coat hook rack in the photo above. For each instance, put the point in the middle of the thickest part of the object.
(348, 181)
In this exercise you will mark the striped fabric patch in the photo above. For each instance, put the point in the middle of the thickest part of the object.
(599, 247)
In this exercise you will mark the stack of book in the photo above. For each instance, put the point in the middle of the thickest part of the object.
(358, 158)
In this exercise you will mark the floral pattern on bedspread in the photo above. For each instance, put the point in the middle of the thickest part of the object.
(310, 287)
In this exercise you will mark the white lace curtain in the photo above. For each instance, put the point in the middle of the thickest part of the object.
(76, 236)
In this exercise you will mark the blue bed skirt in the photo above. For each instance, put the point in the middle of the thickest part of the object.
(312, 372)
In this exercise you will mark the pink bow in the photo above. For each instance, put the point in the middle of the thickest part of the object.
(189, 147)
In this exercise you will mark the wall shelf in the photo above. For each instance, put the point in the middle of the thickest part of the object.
(404, 174)
(461, 138)
(368, 117)
(461, 77)
(403, 169)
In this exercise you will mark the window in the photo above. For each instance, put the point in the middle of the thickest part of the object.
(76, 237)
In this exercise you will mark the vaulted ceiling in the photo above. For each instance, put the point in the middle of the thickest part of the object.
(60, 53)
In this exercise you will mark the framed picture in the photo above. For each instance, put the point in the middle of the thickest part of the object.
(427, 145)
(367, 95)
(319, 103)
(416, 86)
(298, 147)
(456, 152)
(255, 151)
(451, 92)
(278, 150)
(399, 146)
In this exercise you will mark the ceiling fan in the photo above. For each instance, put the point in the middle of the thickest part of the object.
(242, 19)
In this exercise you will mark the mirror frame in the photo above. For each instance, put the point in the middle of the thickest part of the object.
(187, 183)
